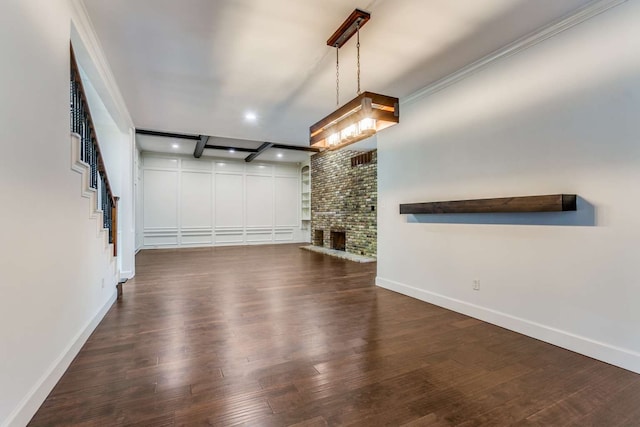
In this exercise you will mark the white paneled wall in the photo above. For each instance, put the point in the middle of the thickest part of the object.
(204, 202)
(286, 207)
(196, 208)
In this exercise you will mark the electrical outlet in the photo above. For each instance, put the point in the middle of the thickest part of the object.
(476, 285)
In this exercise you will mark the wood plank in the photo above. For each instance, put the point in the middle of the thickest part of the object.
(351, 113)
(545, 203)
(163, 134)
(264, 146)
(200, 145)
(274, 335)
(348, 28)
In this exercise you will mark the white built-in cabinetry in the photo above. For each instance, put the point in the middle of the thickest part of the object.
(305, 201)
(204, 202)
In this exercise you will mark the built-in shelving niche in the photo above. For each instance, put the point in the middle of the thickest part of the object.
(545, 203)
(305, 200)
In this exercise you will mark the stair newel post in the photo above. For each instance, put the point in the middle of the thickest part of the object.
(114, 224)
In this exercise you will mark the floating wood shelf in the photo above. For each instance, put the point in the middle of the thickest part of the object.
(546, 203)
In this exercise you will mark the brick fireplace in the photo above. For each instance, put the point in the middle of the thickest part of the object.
(344, 200)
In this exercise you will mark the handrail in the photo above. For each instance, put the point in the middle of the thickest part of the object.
(82, 124)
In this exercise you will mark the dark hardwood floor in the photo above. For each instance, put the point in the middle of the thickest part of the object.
(278, 336)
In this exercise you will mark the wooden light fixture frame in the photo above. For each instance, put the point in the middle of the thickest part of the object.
(382, 108)
(367, 105)
(356, 20)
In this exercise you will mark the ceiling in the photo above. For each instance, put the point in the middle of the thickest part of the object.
(183, 146)
(198, 66)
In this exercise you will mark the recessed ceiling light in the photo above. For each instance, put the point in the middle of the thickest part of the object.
(175, 146)
(231, 150)
(250, 116)
(279, 155)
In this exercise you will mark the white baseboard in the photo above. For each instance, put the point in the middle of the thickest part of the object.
(617, 356)
(219, 244)
(36, 396)
(127, 274)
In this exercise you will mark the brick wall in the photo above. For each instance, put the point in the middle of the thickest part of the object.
(345, 198)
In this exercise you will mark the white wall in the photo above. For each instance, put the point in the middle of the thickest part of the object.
(203, 202)
(559, 117)
(52, 258)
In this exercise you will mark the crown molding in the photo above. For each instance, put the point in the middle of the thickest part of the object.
(579, 16)
(101, 68)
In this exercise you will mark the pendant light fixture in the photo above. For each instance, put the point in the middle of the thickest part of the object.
(364, 115)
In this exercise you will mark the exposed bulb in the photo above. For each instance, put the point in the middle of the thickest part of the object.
(349, 132)
(367, 126)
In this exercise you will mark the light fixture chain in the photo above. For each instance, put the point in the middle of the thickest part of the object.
(358, 50)
(337, 77)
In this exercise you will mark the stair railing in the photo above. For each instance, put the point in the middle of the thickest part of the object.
(82, 124)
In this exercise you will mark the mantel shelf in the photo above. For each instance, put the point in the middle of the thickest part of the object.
(546, 203)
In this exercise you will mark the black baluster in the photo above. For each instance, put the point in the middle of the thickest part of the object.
(85, 128)
(79, 115)
(87, 142)
(83, 137)
(94, 178)
(77, 109)
(95, 162)
(91, 150)
(72, 100)
(91, 161)
(71, 109)
(74, 108)
(110, 222)
(106, 204)
(80, 125)
(103, 200)
(90, 157)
